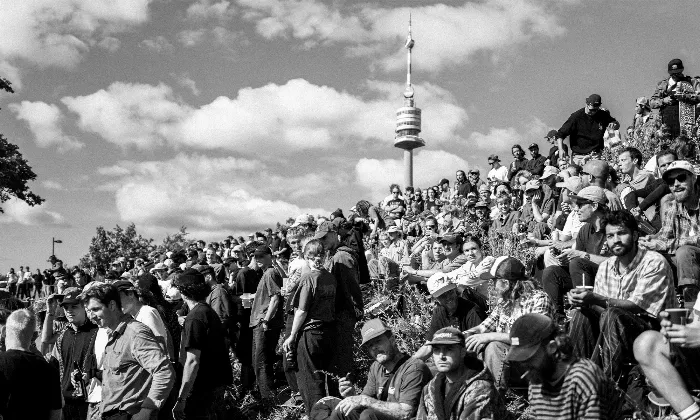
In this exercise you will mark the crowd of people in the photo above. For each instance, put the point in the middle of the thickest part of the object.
(601, 317)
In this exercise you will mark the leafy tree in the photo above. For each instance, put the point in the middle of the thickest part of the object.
(107, 246)
(176, 242)
(15, 172)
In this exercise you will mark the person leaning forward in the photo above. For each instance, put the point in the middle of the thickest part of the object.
(394, 381)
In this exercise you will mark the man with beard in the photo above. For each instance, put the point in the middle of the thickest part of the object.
(519, 161)
(342, 262)
(463, 388)
(451, 311)
(669, 91)
(562, 387)
(537, 163)
(394, 381)
(631, 289)
(680, 230)
(74, 346)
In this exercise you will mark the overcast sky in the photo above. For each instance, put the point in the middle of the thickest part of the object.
(228, 116)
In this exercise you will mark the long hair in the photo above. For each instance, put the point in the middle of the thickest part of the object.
(518, 289)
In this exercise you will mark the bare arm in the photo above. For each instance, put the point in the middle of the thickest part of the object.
(272, 307)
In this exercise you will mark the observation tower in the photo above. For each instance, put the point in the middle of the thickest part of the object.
(408, 119)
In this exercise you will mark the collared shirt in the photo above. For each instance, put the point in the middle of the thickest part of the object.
(505, 313)
(648, 281)
(74, 344)
(137, 372)
(680, 227)
(504, 224)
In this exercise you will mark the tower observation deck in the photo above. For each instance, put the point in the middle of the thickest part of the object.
(408, 118)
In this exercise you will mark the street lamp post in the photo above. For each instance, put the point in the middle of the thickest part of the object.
(54, 241)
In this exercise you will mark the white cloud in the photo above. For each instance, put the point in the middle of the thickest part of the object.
(207, 9)
(44, 121)
(446, 36)
(285, 118)
(158, 44)
(52, 185)
(110, 44)
(60, 32)
(191, 37)
(185, 81)
(429, 166)
(17, 211)
(214, 195)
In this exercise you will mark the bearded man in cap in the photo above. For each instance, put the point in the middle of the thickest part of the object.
(672, 92)
(562, 386)
(463, 388)
(394, 381)
(585, 129)
(537, 163)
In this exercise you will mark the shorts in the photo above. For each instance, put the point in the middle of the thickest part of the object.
(685, 360)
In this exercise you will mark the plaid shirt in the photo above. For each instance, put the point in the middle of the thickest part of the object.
(648, 282)
(680, 227)
(505, 313)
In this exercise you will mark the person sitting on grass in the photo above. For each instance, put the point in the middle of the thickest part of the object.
(394, 381)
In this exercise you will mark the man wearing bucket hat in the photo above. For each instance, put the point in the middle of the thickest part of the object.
(394, 381)
(463, 388)
(451, 310)
(518, 296)
(562, 386)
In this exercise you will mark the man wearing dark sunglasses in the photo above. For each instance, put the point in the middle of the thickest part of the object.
(680, 231)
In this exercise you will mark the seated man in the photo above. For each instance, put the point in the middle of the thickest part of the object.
(669, 360)
(463, 388)
(451, 311)
(507, 218)
(454, 258)
(630, 290)
(680, 231)
(562, 386)
(394, 381)
(581, 261)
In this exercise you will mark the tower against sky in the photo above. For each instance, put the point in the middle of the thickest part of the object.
(408, 119)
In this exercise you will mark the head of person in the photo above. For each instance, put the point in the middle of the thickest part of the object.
(417, 194)
(473, 249)
(532, 188)
(461, 176)
(294, 239)
(448, 349)
(384, 239)
(444, 184)
(208, 273)
(395, 190)
(260, 237)
(598, 172)
(379, 341)
(192, 285)
(472, 198)
(327, 233)
(510, 280)
(482, 210)
(103, 305)
(551, 136)
(629, 160)
(681, 179)
(484, 193)
(590, 203)
(19, 329)
(431, 194)
(538, 346)
(263, 257)
(443, 291)
(570, 185)
(73, 307)
(534, 149)
(314, 254)
(549, 176)
(664, 158)
(128, 295)
(435, 210)
(394, 233)
(438, 251)
(430, 225)
(517, 151)
(201, 244)
(12, 270)
(675, 68)
(642, 105)
(621, 232)
(493, 160)
(593, 103)
(474, 175)
(452, 244)
(503, 188)
(209, 254)
(563, 163)
(503, 202)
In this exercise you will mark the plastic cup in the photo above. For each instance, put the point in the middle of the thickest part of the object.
(678, 316)
(247, 299)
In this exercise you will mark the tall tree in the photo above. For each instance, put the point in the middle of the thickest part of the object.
(15, 172)
(106, 246)
(176, 242)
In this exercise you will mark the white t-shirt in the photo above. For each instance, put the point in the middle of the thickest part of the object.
(572, 225)
(500, 174)
(150, 317)
(94, 388)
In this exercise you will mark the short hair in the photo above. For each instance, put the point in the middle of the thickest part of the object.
(620, 218)
(103, 293)
(191, 283)
(20, 326)
(472, 238)
(257, 234)
(314, 247)
(667, 152)
(504, 198)
(392, 186)
(635, 155)
(409, 190)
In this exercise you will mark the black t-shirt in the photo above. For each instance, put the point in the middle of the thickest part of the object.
(554, 154)
(203, 331)
(284, 245)
(247, 281)
(461, 319)
(315, 294)
(35, 386)
(590, 241)
(76, 346)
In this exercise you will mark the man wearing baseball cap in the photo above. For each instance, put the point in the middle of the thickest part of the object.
(452, 310)
(680, 230)
(585, 129)
(74, 343)
(497, 172)
(394, 381)
(562, 386)
(670, 91)
(518, 296)
(537, 163)
(463, 388)
(553, 156)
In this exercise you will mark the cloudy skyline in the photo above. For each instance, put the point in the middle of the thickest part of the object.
(229, 116)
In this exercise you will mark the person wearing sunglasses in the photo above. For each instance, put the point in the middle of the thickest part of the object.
(680, 230)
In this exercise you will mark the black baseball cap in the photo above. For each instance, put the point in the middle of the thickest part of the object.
(675, 66)
(594, 99)
(527, 334)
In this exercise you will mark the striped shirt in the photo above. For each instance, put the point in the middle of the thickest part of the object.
(648, 281)
(505, 313)
(584, 393)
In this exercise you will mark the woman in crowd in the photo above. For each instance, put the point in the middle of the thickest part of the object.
(432, 199)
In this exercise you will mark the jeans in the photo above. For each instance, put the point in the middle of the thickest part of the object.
(359, 414)
(314, 352)
(557, 280)
(244, 353)
(75, 410)
(688, 262)
(264, 346)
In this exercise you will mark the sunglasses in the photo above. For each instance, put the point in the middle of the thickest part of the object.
(680, 178)
(430, 226)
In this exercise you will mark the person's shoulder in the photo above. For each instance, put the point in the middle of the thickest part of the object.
(578, 112)
(343, 257)
(414, 365)
(654, 258)
(584, 372)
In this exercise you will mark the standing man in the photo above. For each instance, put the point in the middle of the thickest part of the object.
(75, 345)
(519, 161)
(266, 321)
(497, 172)
(246, 281)
(137, 375)
(203, 352)
(672, 93)
(35, 385)
(538, 162)
(585, 129)
(462, 187)
(553, 156)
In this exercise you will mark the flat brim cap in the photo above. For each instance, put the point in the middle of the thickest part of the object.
(447, 335)
(373, 329)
